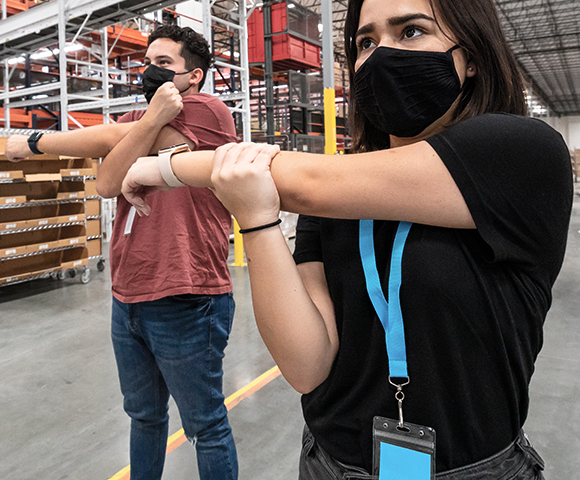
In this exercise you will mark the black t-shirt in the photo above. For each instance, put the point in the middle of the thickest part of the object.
(473, 301)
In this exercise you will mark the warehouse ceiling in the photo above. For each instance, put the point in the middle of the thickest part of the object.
(545, 37)
(544, 34)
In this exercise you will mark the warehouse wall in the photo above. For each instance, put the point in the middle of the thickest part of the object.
(573, 132)
(569, 127)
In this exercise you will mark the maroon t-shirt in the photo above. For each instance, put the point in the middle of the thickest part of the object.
(183, 246)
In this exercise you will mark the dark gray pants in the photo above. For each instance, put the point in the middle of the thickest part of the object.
(519, 461)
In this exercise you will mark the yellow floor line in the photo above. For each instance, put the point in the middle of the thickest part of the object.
(178, 438)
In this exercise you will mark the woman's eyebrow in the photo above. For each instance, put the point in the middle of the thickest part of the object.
(368, 28)
(394, 22)
(397, 21)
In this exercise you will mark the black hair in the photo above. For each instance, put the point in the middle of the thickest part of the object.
(497, 85)
(194, 48)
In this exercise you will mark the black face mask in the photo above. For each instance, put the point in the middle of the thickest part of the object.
(154, 77)
(402, 92)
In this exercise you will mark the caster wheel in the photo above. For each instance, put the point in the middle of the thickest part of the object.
(85, 277)
(72, 273)
(101, 265)
(61, 275)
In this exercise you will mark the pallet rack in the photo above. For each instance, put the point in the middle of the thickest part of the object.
(50, 220)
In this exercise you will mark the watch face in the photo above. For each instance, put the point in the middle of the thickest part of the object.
(182, 147)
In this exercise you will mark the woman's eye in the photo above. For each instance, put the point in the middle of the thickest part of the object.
(411, 32)
(365, 43)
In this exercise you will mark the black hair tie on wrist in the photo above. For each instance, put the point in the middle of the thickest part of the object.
(261, 227)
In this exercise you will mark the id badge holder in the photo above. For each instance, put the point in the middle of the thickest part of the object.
(402, 452)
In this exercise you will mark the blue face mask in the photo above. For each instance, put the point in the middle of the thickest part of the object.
(402, 92)
(154, 77)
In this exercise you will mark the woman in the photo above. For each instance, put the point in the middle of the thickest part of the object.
(471, 203)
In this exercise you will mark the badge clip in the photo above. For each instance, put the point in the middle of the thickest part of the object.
(400, 396)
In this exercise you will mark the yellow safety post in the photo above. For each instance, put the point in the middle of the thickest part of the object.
(238, 247)
(329, 122)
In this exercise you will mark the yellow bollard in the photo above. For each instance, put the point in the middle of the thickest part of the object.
(238, 247)
(329, 122)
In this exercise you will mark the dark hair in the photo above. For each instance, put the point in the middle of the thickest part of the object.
(194, 48)
(497, 86)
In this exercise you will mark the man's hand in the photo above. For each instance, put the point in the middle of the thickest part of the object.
(143, 178)
(17, 148)
(165, 105)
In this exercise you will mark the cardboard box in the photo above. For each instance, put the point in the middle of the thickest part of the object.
(69, 195)
(13, 251)
(8, 226)
(93, 228)
(33, 191)
(12, 200)
(25, 267)
(91, 188)
(93, 208)
(75, 257)
(67, 242)
(8, 175)
(94, 247)
(74, 263)
(43, 177)
(41, 222)
(40, 247)
(79, 172)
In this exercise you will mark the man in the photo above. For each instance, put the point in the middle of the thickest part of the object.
(172, 300)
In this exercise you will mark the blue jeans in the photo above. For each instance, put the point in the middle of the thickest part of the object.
(175, 346)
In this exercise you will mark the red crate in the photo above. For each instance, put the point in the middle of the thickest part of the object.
(288, 51)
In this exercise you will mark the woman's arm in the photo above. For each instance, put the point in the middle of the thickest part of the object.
(408, 183)
(293, 310)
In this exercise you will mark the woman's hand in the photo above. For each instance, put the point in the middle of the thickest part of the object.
(242, 181)
(142, 179)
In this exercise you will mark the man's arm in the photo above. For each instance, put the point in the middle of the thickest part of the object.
(146, 136)
(96, 141)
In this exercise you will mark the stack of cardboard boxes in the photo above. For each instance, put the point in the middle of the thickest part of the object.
(49, 217)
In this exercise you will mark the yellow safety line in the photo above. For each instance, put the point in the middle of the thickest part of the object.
(179, 438)
(123, 473)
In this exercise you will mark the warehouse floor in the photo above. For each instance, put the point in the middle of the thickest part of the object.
(61, 410)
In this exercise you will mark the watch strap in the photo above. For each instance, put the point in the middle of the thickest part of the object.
(164, 161)
(32, 141)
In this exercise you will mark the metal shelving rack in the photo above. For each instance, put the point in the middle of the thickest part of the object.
(45, 227)
(60, 21)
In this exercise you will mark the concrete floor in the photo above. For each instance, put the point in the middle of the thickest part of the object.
(61, 411)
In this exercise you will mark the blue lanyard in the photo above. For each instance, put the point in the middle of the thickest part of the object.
(389, 313)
